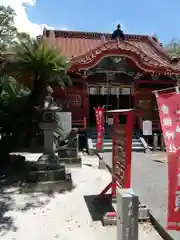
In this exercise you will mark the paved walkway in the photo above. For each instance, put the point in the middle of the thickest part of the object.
(62, 216)
(150, 182)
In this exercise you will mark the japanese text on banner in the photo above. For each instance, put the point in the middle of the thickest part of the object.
(168, 104)
(99, 113)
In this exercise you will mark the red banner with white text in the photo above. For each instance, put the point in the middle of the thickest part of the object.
(99, 113)
(169, 111)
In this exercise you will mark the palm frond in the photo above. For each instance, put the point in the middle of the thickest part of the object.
(41, 61)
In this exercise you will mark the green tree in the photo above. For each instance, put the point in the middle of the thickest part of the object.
(42, 63)
(173, 48)
(41, 66)
(23, 37)
(8, 31)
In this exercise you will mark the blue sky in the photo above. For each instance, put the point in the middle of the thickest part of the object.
(136, 16)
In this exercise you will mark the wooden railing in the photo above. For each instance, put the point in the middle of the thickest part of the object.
(80, 124)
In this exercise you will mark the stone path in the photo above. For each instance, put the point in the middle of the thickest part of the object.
(62, 216)
(150, 182)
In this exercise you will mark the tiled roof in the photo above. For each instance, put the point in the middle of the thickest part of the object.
(82, 48)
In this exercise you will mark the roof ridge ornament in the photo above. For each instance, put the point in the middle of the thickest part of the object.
(103, 37)
(118, 33)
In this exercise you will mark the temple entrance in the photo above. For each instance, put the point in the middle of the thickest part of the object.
(110, 102)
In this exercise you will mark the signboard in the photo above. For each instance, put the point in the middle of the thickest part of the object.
(99, 113)
(147, 128)
(110, 121)
(169, 111)
(120, 152)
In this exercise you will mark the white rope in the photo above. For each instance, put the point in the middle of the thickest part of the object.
(156, 94)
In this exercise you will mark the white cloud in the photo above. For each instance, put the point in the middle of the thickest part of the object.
(22, 21)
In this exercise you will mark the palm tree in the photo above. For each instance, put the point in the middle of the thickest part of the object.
(41, 64)
(37, 65)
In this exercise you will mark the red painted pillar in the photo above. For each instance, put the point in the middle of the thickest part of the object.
(115, 124)
(127, 171)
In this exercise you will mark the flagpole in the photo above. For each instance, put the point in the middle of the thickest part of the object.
(166, 89)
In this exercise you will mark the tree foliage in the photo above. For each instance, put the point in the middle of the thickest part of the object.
(8, 31)
(43, 66)
(9, 36)
(173, 48)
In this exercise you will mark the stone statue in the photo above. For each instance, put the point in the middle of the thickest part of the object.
(49, 100)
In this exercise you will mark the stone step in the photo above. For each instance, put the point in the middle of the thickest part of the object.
(134, 149)
(109, 141)
(110, 145)
(107, 146)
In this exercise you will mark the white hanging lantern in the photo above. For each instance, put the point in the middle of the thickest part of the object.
(117, 91)
(126, 91)
(93, 91)
(106, 90)
(113, 91)
(102, 92)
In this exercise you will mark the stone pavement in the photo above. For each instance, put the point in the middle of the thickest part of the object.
(150, 182)
(61, 216)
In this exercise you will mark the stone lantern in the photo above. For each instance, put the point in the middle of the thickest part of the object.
(48, 124)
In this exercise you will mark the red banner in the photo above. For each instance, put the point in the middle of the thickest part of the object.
(169, 111)
(99, 113)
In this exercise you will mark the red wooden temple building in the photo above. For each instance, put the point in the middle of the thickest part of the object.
(117, 73)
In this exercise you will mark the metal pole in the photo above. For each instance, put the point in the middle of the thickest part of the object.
(107, 97)
(162, 142)
(155, 141)
(127, 214)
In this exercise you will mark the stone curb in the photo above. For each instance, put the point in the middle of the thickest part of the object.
(159, 228)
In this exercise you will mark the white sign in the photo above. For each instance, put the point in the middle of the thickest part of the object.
(110, 121)
(147, 128)
(126, 91)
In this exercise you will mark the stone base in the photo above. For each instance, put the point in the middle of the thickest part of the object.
(68, 153)
(48, 187)
(143, 216)
(109, 220)
(102, 164)
(47, 175)
(49, 159)
(72, 162)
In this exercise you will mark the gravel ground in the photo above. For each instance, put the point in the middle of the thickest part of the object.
(62, 216)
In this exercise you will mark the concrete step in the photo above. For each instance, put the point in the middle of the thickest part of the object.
(108, 148)
(134, 141)
(107, 141)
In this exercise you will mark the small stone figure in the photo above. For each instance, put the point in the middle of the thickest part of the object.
(118, 33)
(48, 99)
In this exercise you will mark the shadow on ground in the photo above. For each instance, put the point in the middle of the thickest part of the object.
(12, 201)
(98, 208)
(13, 198)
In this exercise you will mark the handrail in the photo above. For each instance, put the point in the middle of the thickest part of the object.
(81, 124)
